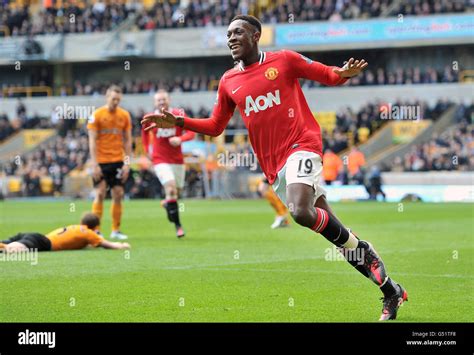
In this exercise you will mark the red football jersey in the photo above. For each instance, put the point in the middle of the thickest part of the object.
(156, 142)
(272, 105)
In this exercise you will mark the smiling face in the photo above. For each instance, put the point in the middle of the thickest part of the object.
(242, 39)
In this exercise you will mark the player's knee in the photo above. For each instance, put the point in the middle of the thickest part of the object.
(117, 194)
(301, 215)
(171, 191)
(100, 194)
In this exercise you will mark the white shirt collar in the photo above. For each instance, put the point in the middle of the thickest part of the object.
(261, 59)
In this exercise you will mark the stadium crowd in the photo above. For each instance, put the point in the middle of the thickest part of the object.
(378, 76)
(451, 150)
(54, 159)
(21, 121)
(68, 151)
(399, 76)
(363, 123)
(65, 153)
(141, 86)
(87, 16)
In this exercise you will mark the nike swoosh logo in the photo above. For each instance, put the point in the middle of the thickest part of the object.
(234, 91)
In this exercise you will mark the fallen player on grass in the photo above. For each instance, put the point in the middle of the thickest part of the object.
(73, 237)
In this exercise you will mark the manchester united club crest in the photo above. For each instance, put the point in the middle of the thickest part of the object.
(271, 73)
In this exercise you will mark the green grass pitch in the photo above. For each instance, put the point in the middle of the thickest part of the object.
(231, 267)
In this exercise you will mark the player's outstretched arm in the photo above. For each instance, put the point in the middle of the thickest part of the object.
(113, 245)
(304, 67)
(212, 126)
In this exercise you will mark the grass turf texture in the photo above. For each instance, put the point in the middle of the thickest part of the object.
(231, 267)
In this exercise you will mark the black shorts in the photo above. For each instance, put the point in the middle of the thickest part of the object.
(111, 173)
(32, 241)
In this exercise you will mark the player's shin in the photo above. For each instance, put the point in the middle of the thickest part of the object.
(172, 211)
(98, 208)
(333, 231)
(116, 212)
(360, 254)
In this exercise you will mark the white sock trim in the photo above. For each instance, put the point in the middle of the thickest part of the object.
(352, 242)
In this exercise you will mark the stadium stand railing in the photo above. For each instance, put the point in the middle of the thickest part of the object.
(27, 91)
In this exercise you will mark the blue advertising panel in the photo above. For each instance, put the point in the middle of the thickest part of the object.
(391, 29)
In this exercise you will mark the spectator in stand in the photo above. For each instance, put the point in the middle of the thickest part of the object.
(31, 182)
(21, 110)
(374, 184)
(355, 162)
(332, 166)
(145, 183)
(6, 128)
(339, 141)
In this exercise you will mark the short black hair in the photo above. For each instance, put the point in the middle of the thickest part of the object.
(250, 19)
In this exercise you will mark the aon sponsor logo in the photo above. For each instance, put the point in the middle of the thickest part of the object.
(165, 132)
(262, 102)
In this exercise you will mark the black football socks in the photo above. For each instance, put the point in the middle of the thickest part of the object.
(173, 212)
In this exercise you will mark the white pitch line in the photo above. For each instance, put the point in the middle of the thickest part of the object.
(201, 266)
(215, 267)
(316, 271)
(235, 263)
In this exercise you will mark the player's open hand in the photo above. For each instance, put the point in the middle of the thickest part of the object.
(96, 172)
(164, 119)
(125, 172)
(351, 68)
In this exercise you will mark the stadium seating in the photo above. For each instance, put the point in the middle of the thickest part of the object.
(42, 171)
(98, 16)
(378, 76)
(452, 150)
(54, 160)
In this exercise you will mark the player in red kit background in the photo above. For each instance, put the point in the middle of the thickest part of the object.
(287, 139)
(164, 147)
